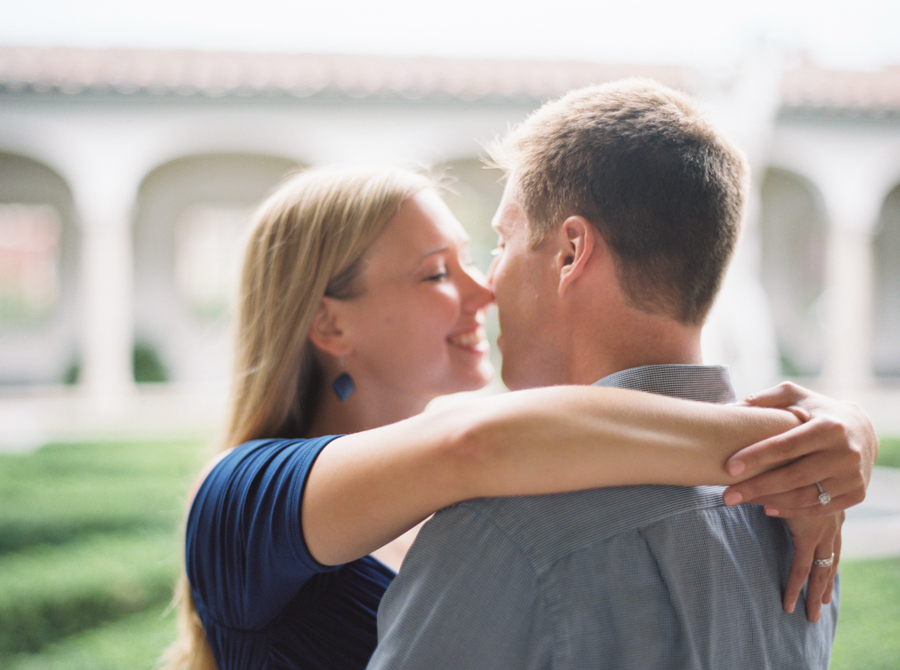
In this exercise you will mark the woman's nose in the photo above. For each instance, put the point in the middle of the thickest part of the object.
(478, 293)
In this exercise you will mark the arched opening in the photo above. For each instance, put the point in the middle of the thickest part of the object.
(189, 223)
(38, 273)
(886, 307)
(793, 239)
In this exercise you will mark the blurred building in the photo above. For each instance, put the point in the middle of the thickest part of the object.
(127, 177)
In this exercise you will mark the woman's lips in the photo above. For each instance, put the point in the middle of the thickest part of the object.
(474, 339)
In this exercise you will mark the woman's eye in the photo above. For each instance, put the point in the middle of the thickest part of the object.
(440, 276)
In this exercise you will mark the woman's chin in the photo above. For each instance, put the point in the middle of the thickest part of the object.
(483, 376)
(473, 379)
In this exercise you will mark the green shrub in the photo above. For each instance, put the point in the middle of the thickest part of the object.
(88, 534)
(889, 452)
(146, 366)
(134, 642)
(62, 492)
(72, 510)
(50, 592)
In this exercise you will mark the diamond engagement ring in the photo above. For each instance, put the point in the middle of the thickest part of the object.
(824, 562)
(824, 497)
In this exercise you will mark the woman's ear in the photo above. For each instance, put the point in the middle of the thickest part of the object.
(576, 239)
(328, 333)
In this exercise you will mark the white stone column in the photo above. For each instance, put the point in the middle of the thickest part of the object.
(105, 206)
(848, 309)
(852, 200)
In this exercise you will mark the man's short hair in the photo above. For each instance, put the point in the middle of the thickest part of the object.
(639, 161)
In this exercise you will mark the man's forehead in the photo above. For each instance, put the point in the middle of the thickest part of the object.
(510, 218)
(509, 212)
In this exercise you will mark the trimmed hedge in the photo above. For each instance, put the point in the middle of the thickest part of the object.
(88, 535)
(133, 642)
(49, 592)
(63, 492)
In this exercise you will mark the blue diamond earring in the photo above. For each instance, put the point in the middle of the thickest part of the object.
(343, 386)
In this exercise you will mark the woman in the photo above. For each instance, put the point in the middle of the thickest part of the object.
(358, 306)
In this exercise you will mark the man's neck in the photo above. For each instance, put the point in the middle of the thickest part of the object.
(601, 331)
(658, 344)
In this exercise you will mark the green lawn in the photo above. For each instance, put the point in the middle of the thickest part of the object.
(89, 549)
(868, 634)
(889, 452)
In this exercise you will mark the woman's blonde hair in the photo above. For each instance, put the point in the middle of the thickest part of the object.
(308, 240)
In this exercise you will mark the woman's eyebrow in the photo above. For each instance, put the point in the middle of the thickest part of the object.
(428, 254)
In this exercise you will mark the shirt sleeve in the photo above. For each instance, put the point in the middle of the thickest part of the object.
(466, 597)
(245, 552)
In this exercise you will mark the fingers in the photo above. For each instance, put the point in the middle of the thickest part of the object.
(816, 541)
(838, 428)
(805, 501)
(807, 496)
(783, 395)
(826, 598)
(798, 478)
(830, 462)
(820, 578)
(837, 504)
(801, 501)
(800, 567)
(821, 434)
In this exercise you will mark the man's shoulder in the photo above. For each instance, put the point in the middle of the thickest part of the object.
(545, 528)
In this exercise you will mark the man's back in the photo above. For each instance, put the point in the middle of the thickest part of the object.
(633, 577)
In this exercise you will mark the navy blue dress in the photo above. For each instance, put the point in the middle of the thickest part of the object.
(263, 599)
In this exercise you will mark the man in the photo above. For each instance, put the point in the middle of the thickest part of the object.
(620, 214)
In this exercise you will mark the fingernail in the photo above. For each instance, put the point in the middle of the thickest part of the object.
(732, 498)
(735, 468)
(771, 511)
(790, 608)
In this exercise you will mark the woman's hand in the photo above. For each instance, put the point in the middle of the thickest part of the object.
(836, 447)
(815, 539)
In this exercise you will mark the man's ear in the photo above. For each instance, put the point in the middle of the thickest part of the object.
(328, 333)
(576, 239)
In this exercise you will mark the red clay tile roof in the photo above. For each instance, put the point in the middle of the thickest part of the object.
(70, 70)
(215, 74)
(806, 86)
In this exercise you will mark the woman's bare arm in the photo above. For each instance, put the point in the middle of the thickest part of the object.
(367, 488)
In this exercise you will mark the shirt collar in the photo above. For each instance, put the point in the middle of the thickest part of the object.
(706, 383)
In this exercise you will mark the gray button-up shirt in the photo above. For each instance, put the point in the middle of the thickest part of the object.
(631, 577)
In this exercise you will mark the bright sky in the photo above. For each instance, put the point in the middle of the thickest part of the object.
(861, 35)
